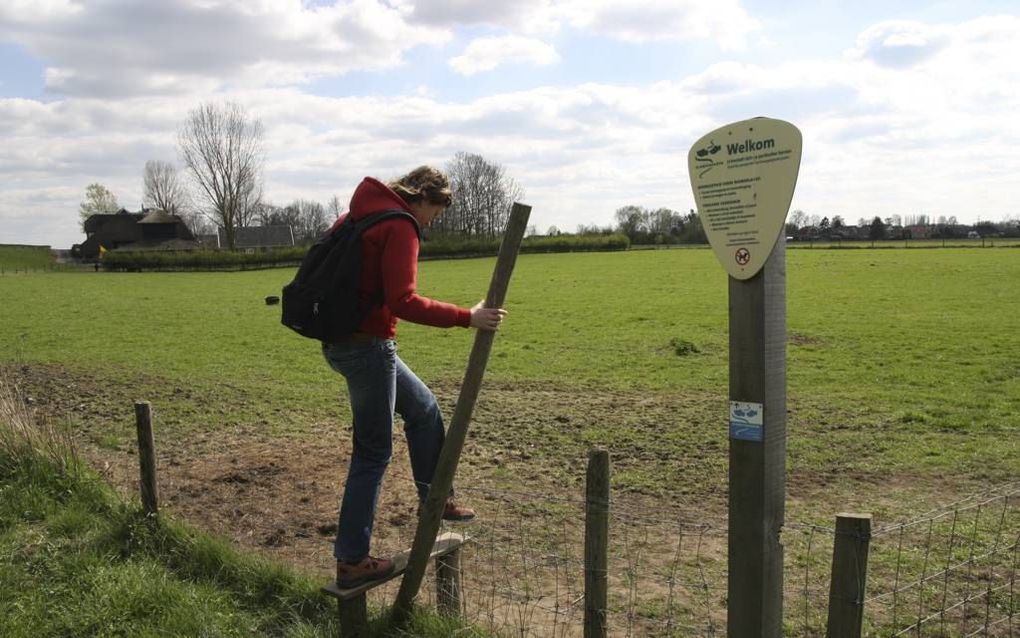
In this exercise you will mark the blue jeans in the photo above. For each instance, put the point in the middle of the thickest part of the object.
(379, 383)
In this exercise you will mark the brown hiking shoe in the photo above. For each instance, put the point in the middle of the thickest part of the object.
(454, 512)
(350, 575)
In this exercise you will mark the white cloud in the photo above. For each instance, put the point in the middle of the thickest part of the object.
(900, 43)
(120, 48)
(519, 16)
(724, 21)
(934, 137)
(450, 13)
(485, 54)
(123, 48)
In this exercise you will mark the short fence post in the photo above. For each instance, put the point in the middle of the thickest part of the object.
(147, 458)
(448, 583)
(353, 616)
(849, 575)
(596, 544)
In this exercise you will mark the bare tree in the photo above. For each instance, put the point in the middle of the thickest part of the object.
(798, 218)
(197, 223)
(334, 207)
(223, 149)
(267, 214)
(483, 194)
(632, 220)
(98, 200)
(307, 220)
(163, 189)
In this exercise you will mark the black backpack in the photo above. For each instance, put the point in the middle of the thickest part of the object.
(322, 302)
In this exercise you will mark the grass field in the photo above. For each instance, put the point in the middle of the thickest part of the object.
(958, 242)
(903, 384)
(896, 352)
(15, 258)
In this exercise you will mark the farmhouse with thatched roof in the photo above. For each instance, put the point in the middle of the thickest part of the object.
(150, 229)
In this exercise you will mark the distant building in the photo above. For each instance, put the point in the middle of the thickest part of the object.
(212, 240)
(917, 231)
(253, 237)
(149, 229)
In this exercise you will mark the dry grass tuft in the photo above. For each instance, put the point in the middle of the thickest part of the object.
(23, 436)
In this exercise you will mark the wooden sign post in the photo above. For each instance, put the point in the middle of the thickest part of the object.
(743, 176)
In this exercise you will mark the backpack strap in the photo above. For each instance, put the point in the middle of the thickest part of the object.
(363, 224)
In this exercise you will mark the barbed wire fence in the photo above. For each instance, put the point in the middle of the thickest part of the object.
(948, 572)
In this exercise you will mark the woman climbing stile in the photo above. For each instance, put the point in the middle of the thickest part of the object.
(378, 382)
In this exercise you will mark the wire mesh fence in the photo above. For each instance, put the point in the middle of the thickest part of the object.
(951, 571)
(948, 572)
(523, 572)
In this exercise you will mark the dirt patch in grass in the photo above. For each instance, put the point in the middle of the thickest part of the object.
(800, 339)
(279, 492)
(524, 436)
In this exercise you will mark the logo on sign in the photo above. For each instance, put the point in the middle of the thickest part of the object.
(743, 256)
(705, 162)
(746, 421)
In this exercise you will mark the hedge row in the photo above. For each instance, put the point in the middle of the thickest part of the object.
(201, 259)
(432, 249)
(442, 247)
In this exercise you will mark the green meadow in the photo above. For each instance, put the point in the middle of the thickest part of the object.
(25, 258)
(898, 361)
(903, 393)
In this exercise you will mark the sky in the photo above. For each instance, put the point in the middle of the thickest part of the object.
(906, 108)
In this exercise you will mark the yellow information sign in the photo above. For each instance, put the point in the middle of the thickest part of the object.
(743, 175)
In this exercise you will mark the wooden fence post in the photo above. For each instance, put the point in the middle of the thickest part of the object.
(147, 458)
(849, 575)
(353, 617)
(448, 583)
(596, 544)
(449, 457)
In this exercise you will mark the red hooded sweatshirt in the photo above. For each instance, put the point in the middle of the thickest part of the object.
(390, 262)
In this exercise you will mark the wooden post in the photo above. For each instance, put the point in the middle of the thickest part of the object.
(147, 458)
(351, 601)
(596, 544)
(758, 467)
(353, 616)
(448, 583)
(849, 575)
(442, 482)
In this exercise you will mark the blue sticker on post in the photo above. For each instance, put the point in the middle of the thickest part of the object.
(746, 421)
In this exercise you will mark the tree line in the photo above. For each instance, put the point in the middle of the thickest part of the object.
(800, 225)
(220, 186)
(222, 149)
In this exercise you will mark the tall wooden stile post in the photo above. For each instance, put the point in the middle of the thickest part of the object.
(446, 467)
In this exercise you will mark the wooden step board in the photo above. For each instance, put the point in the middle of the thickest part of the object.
(445, 543)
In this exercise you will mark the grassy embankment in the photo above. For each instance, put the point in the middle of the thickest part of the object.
(17, 258)
(77, 560)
